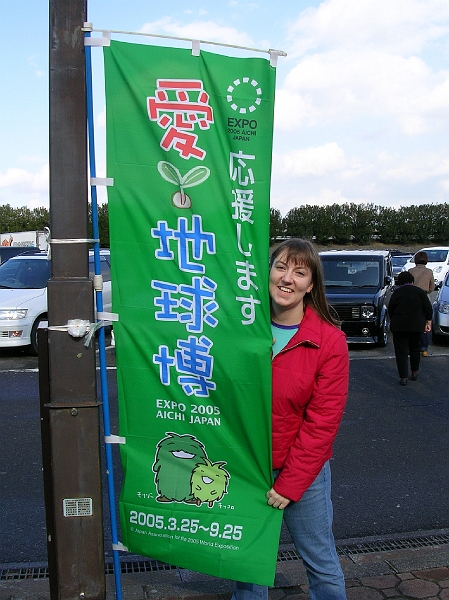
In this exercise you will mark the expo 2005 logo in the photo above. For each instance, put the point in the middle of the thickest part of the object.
(241, 85)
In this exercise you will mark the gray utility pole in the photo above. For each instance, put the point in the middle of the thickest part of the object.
(69, 408)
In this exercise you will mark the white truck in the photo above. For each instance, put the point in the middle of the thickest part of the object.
(23, 239)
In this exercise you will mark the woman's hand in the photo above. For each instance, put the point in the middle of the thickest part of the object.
(276, 500)
(428, 326)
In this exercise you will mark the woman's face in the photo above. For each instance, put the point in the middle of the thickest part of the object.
(289, 283)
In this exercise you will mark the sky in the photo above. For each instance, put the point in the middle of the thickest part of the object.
(362, 97)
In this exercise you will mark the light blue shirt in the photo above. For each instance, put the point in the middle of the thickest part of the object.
(282, 334)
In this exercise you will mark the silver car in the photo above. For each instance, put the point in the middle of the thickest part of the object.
(440, 315)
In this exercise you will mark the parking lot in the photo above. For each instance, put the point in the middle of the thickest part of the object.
(389, 464)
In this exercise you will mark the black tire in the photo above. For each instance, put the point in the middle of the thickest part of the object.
(436, 339)
(33, 348)
(383, 334)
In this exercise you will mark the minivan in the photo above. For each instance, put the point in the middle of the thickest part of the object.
(358, 286)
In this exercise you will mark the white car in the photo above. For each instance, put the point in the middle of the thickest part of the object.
(440, 315)
(23, 296)
(438, 261)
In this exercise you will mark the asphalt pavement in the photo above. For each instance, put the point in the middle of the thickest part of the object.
(391, 565)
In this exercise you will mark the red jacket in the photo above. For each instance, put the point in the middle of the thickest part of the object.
(310, 387)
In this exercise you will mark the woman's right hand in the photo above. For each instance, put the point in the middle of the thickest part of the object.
(276, 500)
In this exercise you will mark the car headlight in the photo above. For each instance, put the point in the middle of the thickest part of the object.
(13, 314)
(443, 307)
(438, 269)
(367, 312)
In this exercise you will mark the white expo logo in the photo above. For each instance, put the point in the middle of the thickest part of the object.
(258, 91)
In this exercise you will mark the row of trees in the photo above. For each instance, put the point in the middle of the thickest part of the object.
(363, 223)
(333, 224)
(25, 219)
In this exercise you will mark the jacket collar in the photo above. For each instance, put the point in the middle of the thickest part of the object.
(309, 331)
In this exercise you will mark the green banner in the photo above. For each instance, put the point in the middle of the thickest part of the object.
(189, 142)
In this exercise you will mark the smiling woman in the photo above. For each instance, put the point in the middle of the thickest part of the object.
(310, 371)
(289, 283)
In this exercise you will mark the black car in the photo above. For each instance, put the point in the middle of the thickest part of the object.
(398, 260)
(358, 286)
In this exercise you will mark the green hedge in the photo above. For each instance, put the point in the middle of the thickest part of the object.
(333, 224)
(363, 223)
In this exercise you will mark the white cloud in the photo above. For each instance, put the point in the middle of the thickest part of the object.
(404, 27)
(416, 168)
(23, 181)
(19, 187)
(314, 162)
(339, 85)
(366, 62)
(204, 30)
(286, 198)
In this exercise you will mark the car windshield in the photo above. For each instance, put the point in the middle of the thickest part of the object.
(436, 255)
(347, 273)
(24, 273)
(399, 261)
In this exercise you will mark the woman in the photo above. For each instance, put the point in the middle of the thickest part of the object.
(410, 314)
(423, 278)
(310, 384)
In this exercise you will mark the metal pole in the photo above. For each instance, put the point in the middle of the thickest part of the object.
(72, 416)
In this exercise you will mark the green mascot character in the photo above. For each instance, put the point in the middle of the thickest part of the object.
(176, 457)
(209, 482)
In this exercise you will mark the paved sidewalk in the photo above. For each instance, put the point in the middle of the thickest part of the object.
(411, 573)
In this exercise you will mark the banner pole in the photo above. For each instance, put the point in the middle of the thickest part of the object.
(101, 334)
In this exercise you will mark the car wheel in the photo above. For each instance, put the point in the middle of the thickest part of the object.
(383, 334)
(436, 339)
(33, 337)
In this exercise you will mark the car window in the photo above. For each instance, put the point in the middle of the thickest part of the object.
(399, 261)
(351, 273)
(25, 273)
(105, 269)
(437, 255)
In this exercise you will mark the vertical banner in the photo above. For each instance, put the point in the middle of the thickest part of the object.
(189, 142)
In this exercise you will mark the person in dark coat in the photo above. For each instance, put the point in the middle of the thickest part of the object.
(410, 314)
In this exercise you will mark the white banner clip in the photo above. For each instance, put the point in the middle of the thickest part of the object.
(98, 41)
(114, 439)
(107, 316)
(274, 56)
(196, 47)
(119, 546)
(109, 181)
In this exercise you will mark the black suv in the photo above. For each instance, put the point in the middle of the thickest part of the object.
(358, 286)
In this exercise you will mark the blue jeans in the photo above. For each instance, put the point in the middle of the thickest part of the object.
(424, 341)
(309, 522)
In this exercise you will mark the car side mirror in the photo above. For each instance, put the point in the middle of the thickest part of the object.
(389, 280)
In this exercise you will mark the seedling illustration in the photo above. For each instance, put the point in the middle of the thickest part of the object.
(193, 177)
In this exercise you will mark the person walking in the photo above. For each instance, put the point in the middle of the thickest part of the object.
(310, 373)
(410, 314)
(423, 277)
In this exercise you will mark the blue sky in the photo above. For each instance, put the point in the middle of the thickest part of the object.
(362, 99)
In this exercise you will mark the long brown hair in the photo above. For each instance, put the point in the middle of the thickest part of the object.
(303, 252)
